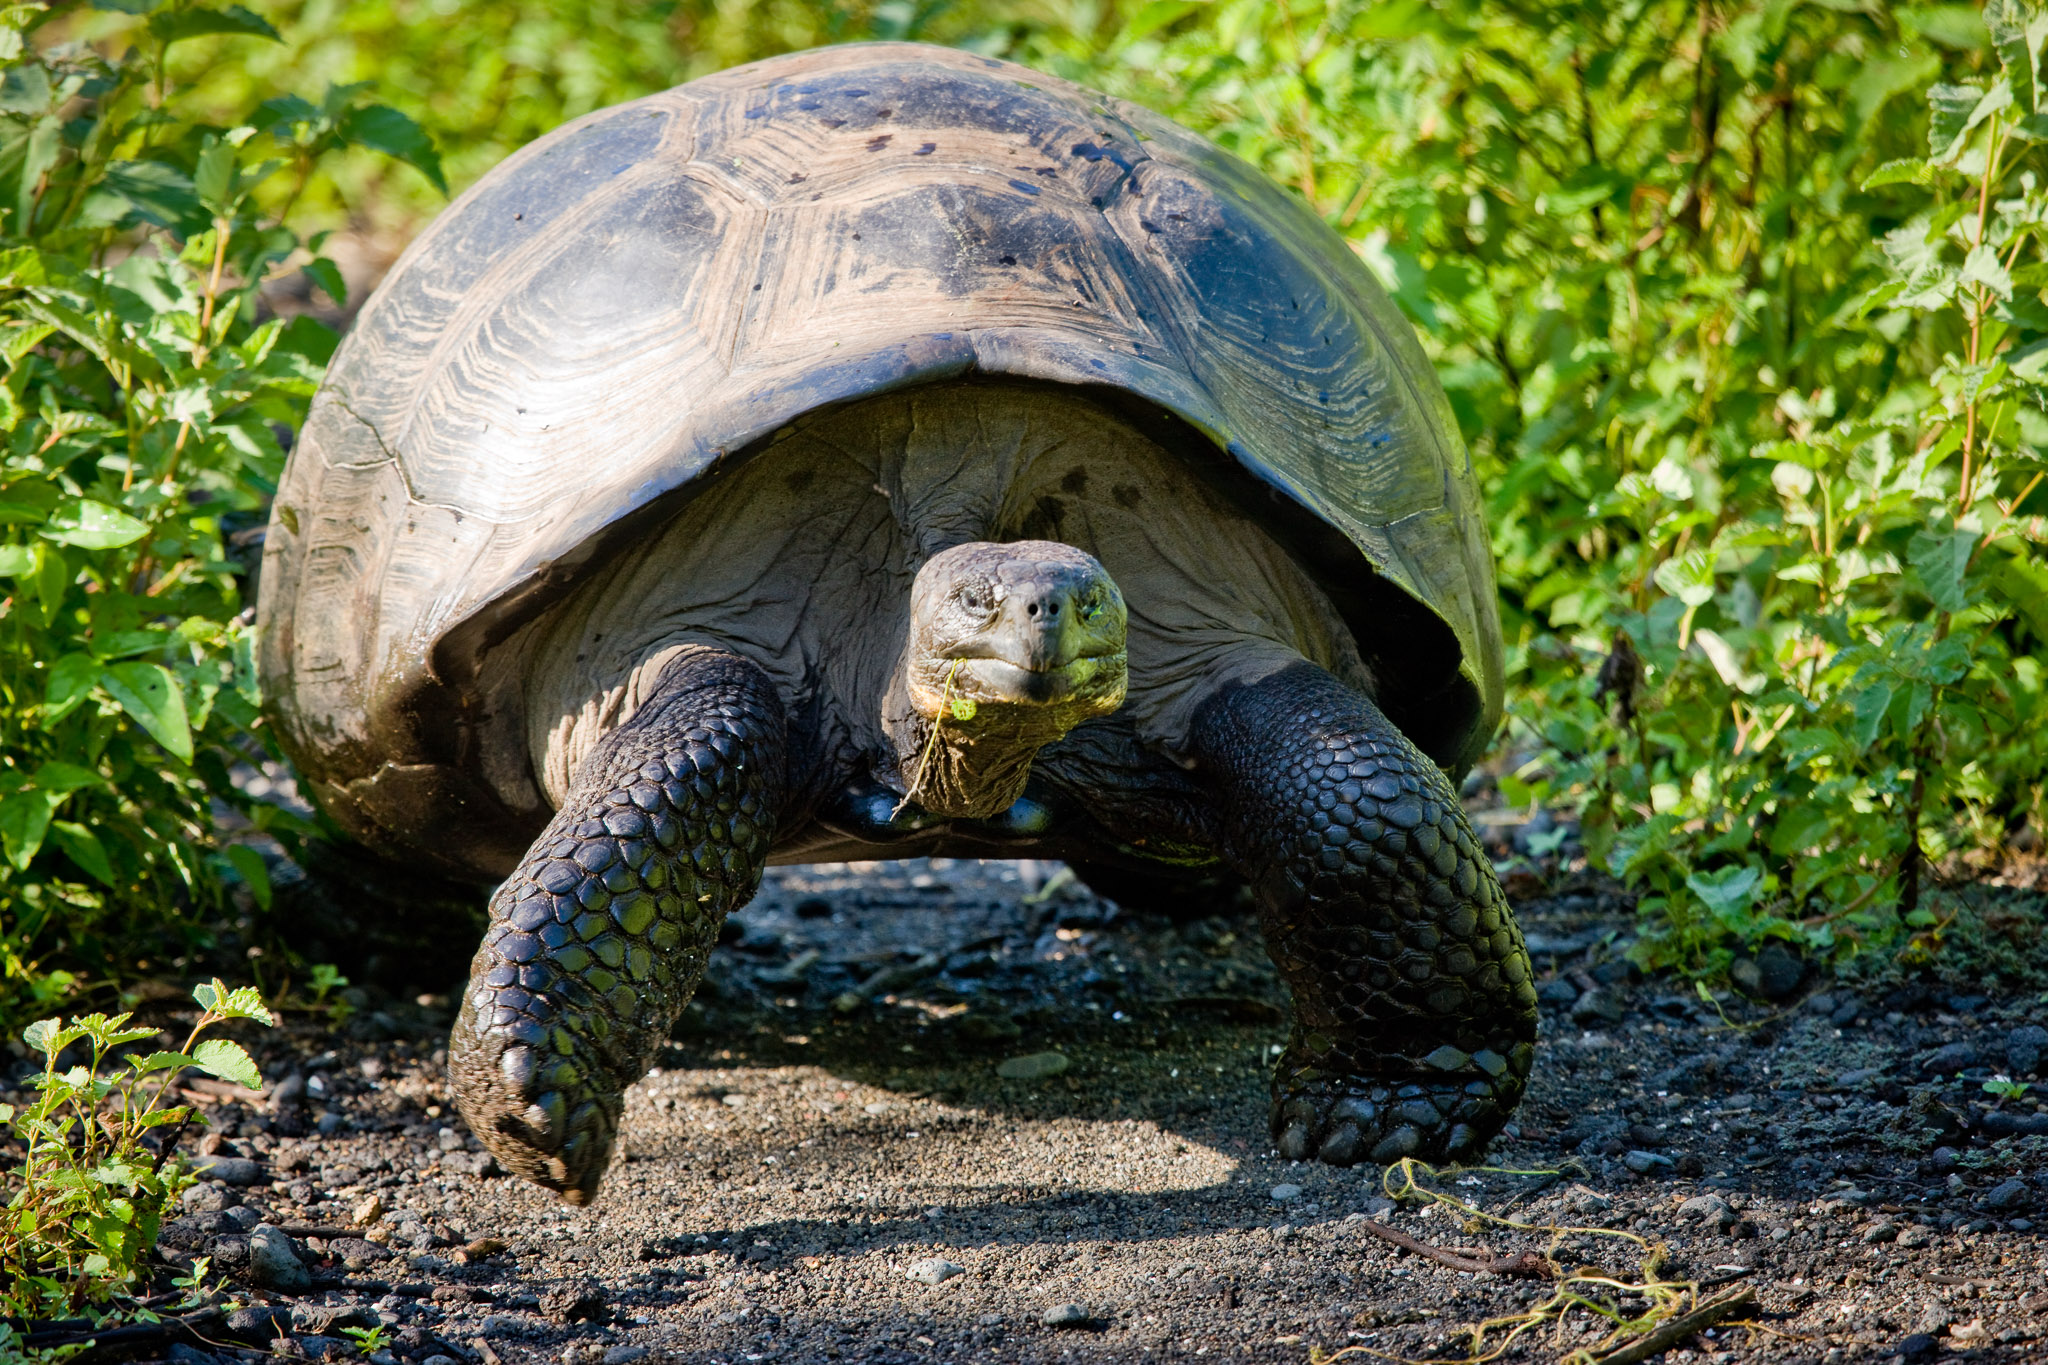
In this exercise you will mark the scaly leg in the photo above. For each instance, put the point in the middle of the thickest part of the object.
(598, 939)
(1415, 1017)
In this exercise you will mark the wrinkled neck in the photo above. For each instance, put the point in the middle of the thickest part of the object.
(968, 769)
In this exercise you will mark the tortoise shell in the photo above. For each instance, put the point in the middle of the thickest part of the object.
(646, 295)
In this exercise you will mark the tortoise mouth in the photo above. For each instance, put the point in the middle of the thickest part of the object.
(1094, 677)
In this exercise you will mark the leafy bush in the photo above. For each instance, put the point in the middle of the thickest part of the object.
(89, 1196)
(146, 392)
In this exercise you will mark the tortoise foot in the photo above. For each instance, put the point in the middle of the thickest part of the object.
(600, 936)
(536, 1093)
(1415, 1019)
(1342, 1120)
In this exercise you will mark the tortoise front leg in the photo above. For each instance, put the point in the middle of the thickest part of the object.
(598, 939)
(1414, 1014)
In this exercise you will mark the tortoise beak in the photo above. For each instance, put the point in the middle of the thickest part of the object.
(998, 680)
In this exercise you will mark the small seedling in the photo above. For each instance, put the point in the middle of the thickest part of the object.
(2005, 1087)
(368, 1340)
(326, 977)
(89, 1197)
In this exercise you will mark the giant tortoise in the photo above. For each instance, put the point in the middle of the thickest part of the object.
(884, 451)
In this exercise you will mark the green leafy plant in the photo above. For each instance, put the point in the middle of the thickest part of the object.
(89, 1196)
(369, 1340)
(147, 384)
(2006, 1088)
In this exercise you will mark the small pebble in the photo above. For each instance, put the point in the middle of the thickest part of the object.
(273, 1263)
(935, 1270)
(1946, 1061)
(1647, 1163)
(1034, 1066)
(2008, 1194)
(2025, 1046)
(258, 1324)
(625, 1355)
(228, 1170)
(448, 1140)
(1710, 1208)
(1597, 1006)
(1066, 1315)
(1283, 1193)
(205, 1198)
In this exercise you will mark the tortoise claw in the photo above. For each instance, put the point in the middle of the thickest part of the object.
(1344, 1120)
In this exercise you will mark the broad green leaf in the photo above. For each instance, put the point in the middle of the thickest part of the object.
(39, 153)
(243, 1002)
(21, 267)
(1688, 577)
(42, 1034)
(1672, 479)
(1154, 15)
(2029, 362)
(1900, 171)
(1982, 266)
(94, 526)
(62, 778)
(83, 847)
(151, 697)
(159, 194)
(1953, 111)
(16, 560)
(180, 24)
(1913, 249)
(1941, 558)
(71, 681)
(1802, 826)
(2024, 584)
(214, 178)
(159, 1061)
(24, 820)
(1956, 26)
(383, 129)
(249, 865)
(328, 276)
(229, 1060)
(2017, 33)
(1728, 891)
(25, 89)
(1869, 706)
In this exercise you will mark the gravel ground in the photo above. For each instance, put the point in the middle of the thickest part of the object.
(962, 1111)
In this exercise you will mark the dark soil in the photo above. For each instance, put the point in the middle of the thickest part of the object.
(832, 1121)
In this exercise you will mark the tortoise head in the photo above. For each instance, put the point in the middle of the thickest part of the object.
(1010, 646)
